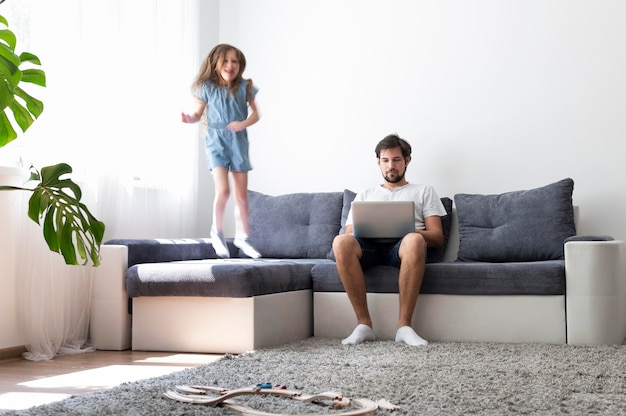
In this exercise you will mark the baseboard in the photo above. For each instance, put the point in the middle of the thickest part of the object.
(12, 353)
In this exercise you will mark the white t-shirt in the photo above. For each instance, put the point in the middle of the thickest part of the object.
(427, 202)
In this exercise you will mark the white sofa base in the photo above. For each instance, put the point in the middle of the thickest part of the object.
(513, 319)
(220, 325)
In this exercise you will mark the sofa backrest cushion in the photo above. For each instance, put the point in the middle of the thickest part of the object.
(299, 225)
(434, 255)
(529, 225)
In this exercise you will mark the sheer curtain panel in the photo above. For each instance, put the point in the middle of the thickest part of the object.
(118, 75)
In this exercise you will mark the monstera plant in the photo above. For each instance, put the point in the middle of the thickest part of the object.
(68, 226)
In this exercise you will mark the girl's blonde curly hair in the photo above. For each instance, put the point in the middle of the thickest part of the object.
(212, 64)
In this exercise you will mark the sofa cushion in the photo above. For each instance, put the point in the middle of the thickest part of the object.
(434, 254)
(459, 278)
(235, 278)
(299, 225)
(157, 250)
(529, 225)
(348, 197)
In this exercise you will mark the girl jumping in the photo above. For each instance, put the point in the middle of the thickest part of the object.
(225, 98)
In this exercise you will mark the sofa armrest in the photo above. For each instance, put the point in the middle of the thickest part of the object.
(595, 292)
(163, 250)
(110, 320)
(599, 237)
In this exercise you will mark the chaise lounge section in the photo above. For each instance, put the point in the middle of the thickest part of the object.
(499, 278)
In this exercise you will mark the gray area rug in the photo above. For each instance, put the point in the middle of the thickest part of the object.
(441, 378)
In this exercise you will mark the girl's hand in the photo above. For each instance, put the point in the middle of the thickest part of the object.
(187, 118)
(196, 115)
(236, 126)
(244, 124)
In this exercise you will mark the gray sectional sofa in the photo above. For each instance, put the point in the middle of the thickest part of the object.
(512, 270)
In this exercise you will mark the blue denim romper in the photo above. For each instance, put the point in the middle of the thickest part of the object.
(225, 148)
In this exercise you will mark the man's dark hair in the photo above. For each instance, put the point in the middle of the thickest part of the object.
(392, 141)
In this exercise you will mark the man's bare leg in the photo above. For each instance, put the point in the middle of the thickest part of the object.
(348, 254)
(412, 254)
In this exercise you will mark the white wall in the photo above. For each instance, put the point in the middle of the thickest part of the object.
(494, 95)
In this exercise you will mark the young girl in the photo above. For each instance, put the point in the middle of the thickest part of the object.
(223, 96)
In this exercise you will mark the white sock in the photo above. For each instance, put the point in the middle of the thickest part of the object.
(408, 335)
(360, 334)
(246, 248)
(219, 244)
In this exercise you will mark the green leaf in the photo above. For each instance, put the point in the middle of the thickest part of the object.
(7, 36)
(7, 95)
(67, 245)
(51, 177)
(29, 57)
(11, 78)
(22, 115)
(82, 252)
(34, 205)
(7, 132)
(34, 174)
(9, 61)
(68, 227)
(34, 76)
(49, 232)
(34, 105)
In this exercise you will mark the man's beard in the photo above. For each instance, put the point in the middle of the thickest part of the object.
(396, 179)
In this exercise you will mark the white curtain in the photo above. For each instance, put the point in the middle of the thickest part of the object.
(118, 75)
(54, 299)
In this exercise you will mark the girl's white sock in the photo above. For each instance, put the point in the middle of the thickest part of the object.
(219, 244)
(247, 249)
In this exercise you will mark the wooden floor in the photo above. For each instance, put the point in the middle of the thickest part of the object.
(26, 383)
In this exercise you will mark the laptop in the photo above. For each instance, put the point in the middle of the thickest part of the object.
(383, 219)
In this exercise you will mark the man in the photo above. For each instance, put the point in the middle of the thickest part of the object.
(353, 255)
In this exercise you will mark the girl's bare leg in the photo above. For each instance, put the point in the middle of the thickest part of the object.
(240, 186)
(242, 213)
(222, 193)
